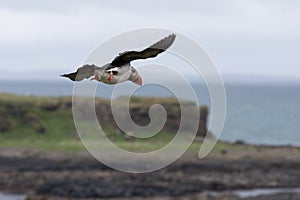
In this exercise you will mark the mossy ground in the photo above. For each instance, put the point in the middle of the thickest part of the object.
(61, 135)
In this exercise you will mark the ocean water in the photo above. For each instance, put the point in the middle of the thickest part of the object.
(12, 196)
(260, 113)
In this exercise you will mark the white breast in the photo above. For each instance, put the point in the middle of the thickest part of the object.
(122, 75)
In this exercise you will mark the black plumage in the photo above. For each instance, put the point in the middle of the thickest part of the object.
(149, 52)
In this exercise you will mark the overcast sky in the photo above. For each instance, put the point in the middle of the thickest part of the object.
(242, 37)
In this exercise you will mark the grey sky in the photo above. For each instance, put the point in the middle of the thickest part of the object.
(242, 37)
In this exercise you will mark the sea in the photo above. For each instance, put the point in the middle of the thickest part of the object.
(12, 196)
(257, 112)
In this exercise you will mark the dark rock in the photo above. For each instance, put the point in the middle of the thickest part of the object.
(30, 118)
(5, 124)
(35, 122)
(12, 115)
(140, 116)
(82, 177)
(223, 151)
(65, 104)
(202, 129)
(50, 106)
(126, 186)
(281, 196)
(16, 110)
(204, 196)
(240, 142)
(39, 128)
(227, 196)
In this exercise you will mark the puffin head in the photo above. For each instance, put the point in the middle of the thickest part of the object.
(135, 77)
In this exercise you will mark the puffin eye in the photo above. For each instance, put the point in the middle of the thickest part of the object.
(114, 72)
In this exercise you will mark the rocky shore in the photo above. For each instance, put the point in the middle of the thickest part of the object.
(47, 124)
(45, 175)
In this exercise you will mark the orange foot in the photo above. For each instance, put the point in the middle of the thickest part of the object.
(95, 78)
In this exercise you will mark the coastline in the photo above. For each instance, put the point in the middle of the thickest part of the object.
(42, 157)
(57, 175)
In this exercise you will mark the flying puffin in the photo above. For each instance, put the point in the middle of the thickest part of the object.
(120, 69)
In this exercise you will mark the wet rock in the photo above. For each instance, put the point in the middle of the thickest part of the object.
(205, 196)
(126, 186)
(282, 196)
(227, 196)
(76, 177)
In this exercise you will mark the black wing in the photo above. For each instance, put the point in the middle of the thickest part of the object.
(86, 71)
(150, 52)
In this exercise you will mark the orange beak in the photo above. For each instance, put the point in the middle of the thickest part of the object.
(110, 78)
(140, 81)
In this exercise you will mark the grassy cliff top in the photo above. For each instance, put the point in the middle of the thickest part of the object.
(46, 123)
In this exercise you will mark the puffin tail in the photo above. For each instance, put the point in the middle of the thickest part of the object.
(71, 76)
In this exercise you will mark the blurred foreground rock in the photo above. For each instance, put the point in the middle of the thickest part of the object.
(79, 176)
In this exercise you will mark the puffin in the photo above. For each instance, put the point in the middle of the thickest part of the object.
(120, 69)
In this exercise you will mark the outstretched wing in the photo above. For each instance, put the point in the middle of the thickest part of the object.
(86, 71)
(150, 52)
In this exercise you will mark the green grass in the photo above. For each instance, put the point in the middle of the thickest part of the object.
(61, 134)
